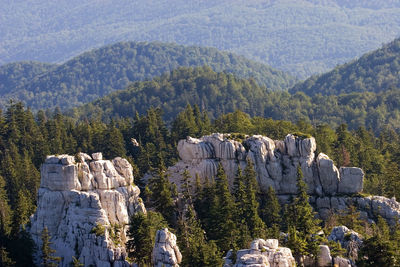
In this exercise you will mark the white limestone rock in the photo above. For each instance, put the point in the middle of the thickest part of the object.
(274, 161)
(328, 174)
(324, 256)
(97, 156)
(75, 198)
(262, 253)
(166, 252)
(351, 180)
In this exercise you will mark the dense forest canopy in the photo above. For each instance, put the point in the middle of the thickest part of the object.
(219, 93)
(101, 71)
(300, 36)
(25, 140)
(376, 71)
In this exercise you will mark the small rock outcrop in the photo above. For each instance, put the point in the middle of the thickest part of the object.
(324, 259)
(262, 253)
(86, 207)
(166, 252)
(275, 161)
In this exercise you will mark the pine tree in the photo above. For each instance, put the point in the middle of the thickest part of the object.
(142, 231)
(271, 212)
(48, 260)
(222, 214)
(300, 219)
(255, 225)
(162, 194)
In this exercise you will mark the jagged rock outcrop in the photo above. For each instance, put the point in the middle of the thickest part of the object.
(262, 253)
(276, 162)
(348, 239)
(166, 252)
(86, 207)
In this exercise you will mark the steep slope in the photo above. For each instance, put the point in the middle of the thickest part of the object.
(219, 93)
(301, 36)
(376, 71)
(101, 71)
(16, 74)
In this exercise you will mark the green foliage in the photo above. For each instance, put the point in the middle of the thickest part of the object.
(76, 263)
(301, 223)
(98, 230)
(48, 260)
(270, 212)
(376, 71)
(142, 231)
(99, 72)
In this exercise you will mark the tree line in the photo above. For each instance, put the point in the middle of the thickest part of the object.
(26, 139)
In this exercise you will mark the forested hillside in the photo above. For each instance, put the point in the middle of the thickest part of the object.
(101, 71)
(376, 71)
(300, 36)
(25, 140)
(218, 93)
(14, 75)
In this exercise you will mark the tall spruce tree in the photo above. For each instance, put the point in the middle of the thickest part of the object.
(271, 212)
(255, 225)
(222, 214)
(48, 260)
(301, 222)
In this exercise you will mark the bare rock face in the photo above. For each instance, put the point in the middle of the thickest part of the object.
(275, 162)
(262, 253)
(86, 207)
(166, 252)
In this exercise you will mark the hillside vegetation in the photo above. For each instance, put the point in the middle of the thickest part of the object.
(101, 71)
(300, 36)
(376, 71)
(218, 93)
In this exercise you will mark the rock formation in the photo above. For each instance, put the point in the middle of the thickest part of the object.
(324, 259)
(276, 162)
(86, 207)
(262, 253)
(166, 252)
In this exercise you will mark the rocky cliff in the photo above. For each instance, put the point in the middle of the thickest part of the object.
(275, 162)
(86, 207)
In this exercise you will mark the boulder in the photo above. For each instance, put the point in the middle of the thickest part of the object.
(328, 174)
(324, 256)
(351, 180)
(262, 253)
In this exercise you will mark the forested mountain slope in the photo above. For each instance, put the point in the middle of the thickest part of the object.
(218, 93)
(376, 71)
(301, 36)
(99, 72)
(13, 75)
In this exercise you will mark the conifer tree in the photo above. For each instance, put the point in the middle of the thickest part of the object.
(162, 193)
(48, 260)
(300, 219)
(255, 224)
(142, 231)
(222, 213)
(271, 212)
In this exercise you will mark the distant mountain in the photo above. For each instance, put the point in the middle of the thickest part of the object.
(104, 70)
(300, 36)
(376, 71)
(16, 74)
(219, 93)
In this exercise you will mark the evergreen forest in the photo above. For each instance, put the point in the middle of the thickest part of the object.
(241, 213)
